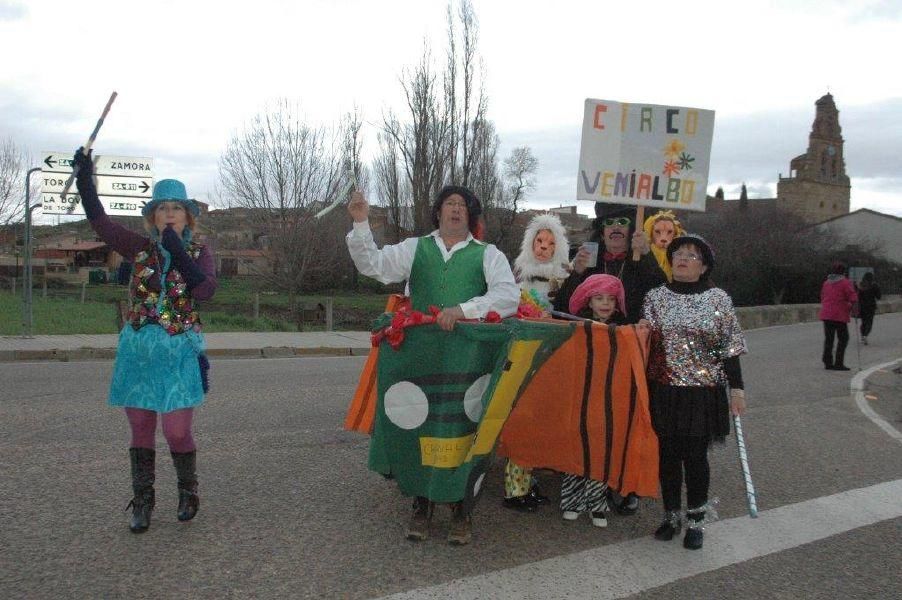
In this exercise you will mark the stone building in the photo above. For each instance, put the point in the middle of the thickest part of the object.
(818, 187)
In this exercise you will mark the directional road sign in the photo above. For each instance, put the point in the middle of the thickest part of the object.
(113, 205)
(124, 183)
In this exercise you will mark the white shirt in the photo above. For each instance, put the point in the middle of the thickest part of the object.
(393, 263)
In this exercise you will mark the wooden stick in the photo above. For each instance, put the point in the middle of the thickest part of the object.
(640, 222)
(87, 147)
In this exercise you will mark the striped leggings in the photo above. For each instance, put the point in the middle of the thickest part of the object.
(582, 494)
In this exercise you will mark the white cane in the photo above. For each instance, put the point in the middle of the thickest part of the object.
(744, 461)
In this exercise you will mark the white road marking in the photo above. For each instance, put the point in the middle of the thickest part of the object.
(858, 393)
(630, 567)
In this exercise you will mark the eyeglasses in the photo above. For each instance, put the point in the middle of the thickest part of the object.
(622, 221)
(687, 256)
(455, 203)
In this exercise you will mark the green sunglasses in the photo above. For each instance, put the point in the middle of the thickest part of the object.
(622, 221)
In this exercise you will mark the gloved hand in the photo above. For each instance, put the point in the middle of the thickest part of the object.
(180, 259)
(84, 182)
(171, 240)
(84, 163)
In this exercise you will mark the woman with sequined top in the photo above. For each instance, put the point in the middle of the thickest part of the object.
(695, 344)
(160, 364)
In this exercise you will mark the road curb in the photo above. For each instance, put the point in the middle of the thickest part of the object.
(78, 354)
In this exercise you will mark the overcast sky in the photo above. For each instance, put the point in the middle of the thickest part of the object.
(190, 74)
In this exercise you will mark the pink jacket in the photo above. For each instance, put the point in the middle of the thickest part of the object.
(837, 296)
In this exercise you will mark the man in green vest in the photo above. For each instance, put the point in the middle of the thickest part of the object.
(450, 269)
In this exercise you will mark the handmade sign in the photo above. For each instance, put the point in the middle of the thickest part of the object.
(645, 154)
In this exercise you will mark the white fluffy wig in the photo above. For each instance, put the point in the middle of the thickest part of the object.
(526, 264)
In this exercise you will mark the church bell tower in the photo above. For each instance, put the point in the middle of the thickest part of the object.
(818, 188)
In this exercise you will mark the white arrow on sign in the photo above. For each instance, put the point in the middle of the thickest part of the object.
(113, 205)
(134, 187)
(120, 166)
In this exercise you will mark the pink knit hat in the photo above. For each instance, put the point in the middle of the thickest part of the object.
(595, 285)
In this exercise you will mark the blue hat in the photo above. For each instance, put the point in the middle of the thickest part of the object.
(170, 190)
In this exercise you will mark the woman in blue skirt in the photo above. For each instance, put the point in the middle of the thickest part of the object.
(160, 363)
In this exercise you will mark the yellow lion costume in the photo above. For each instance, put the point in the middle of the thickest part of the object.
(660, 229)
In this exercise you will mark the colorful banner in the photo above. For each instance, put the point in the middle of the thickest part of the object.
(443, 398)
(645, 154)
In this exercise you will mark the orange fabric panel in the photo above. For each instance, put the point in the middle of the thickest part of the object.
(362, 410)
(589, 404)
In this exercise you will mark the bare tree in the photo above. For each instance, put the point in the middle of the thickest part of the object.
(392, 187)
(443, 135)
(13, 167)
(284, 171)
(422, 141)
(517, 180)
(520, 170)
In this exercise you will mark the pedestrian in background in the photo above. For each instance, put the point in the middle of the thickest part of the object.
(868, 294)
(160, 364)
(837, 297)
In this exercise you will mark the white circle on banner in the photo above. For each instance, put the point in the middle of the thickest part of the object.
(406, 405)
(478, 485)
(473, 397)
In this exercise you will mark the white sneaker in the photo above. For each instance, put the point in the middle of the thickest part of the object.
(570, 515)
(599, 519)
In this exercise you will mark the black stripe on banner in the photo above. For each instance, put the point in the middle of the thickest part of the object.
(629, 425)
(609, 403)
(443, 397)
(454, 418)
(445, 378)
(584, 409)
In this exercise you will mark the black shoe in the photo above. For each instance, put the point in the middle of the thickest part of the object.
(629, 506)
(693, 538)
(521, 503)
(841, 368)
(670, 527)
(536, 494)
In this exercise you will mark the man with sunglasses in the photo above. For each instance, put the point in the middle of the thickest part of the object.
(617, 238)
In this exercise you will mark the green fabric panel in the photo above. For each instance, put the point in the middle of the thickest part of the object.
(422, 388)
(436, 282)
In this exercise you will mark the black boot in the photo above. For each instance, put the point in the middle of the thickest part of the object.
(142, 461)
(186, 470)
(695, 530)
(670, 526)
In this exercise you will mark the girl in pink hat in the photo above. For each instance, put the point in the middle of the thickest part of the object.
(599, 297)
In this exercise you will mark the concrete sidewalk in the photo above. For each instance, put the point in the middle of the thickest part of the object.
(234, 344)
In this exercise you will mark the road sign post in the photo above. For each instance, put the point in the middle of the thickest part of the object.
(124, 184)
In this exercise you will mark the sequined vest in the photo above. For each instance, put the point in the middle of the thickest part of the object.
(174, 311)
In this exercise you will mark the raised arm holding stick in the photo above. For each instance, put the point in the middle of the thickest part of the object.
(87, 148)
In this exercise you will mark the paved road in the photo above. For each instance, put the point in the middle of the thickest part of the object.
(289, 509)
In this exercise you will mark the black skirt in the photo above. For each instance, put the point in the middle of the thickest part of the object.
(689, 411)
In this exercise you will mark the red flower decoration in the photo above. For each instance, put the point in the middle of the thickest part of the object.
(492, 317)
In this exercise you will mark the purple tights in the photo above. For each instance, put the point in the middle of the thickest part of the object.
(176, 428)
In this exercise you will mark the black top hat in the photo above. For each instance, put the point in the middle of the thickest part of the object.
(604, 210)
